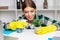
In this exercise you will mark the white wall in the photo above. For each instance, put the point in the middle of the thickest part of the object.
(39, 4)
(9, 3)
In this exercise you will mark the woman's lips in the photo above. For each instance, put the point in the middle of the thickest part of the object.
(30, 17)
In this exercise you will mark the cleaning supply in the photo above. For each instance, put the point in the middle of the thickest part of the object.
(50, 38)
(36, 22)
(17, 24)
(46, 29)
(12, 25)
(52, 28)
(42, 30)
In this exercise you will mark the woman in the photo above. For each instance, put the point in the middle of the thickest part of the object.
(29, 10)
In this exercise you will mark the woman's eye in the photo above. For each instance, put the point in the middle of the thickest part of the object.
(26, 12)
(31, 11)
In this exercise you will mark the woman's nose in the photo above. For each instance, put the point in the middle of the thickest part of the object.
(29, 14)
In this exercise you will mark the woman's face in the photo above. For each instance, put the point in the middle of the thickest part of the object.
(29, 12)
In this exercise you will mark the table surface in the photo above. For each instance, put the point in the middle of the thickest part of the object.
(29, 34)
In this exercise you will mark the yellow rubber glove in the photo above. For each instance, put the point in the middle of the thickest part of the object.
(12, 25)
(47, 29)
(21, 24)
(42, 30)
(52, 28)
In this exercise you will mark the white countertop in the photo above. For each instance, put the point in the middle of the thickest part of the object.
(30, 35)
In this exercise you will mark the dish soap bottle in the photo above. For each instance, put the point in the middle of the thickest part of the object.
(19, 4)
(45, 4)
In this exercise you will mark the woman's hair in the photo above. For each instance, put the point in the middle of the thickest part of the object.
(27, 3)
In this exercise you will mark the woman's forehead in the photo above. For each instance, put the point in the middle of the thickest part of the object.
(28, 8)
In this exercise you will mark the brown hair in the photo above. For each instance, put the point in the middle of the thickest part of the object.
(29, 3)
